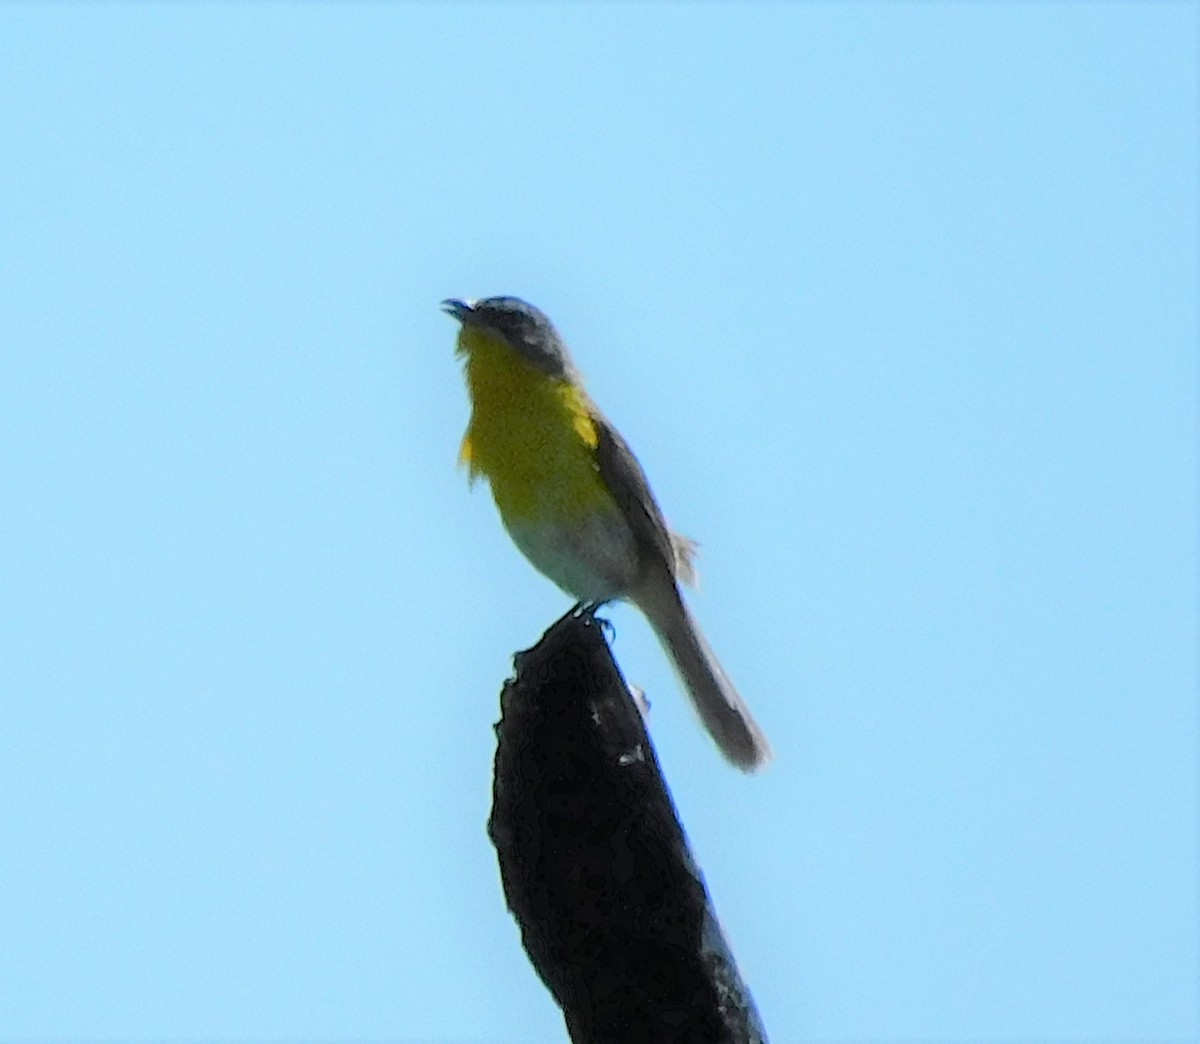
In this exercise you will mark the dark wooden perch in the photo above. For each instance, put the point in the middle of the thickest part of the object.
(613, 912)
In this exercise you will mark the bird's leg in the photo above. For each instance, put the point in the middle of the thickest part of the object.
(590, 607)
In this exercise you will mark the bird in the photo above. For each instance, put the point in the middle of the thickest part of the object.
(576, 502)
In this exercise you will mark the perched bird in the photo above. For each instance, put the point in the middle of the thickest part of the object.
(575, 500)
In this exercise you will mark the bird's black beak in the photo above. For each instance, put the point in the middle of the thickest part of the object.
(460, 310)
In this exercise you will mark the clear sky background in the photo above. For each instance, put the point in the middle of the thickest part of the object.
(897, 305)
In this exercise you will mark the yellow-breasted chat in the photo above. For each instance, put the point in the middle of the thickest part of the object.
(575, 500)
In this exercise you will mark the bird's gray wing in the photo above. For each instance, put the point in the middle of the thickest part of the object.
(626, 480)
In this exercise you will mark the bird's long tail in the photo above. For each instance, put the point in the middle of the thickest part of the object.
(721, 709)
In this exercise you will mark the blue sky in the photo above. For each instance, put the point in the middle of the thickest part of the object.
(897, 305)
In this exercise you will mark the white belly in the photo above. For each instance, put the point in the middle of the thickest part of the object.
(593, 561)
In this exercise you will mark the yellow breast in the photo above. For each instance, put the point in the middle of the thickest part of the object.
(531, 435)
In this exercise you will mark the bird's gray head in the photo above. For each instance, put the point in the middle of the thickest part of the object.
(524, 328)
